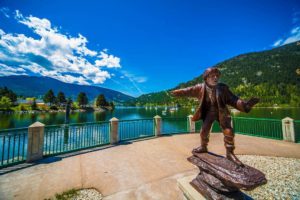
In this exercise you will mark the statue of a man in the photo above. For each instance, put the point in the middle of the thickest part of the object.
(214, 98)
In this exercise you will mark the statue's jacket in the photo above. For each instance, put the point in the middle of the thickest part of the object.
(223, 95)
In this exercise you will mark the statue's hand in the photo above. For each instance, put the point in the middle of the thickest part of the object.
(251, 103)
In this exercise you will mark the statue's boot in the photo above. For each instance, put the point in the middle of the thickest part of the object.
(230, 156)
(229, 145)
(200, 149)
(204, 142)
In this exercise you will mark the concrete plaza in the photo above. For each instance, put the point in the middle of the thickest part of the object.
(146, 169)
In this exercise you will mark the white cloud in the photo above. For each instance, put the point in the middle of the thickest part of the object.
(293, 36)
(7, 70)
(54, 54)
(109, 61)
(277, 43)
(71, 79)
(18, 14)
(1, 32)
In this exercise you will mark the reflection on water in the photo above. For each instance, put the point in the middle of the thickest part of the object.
(25, 119)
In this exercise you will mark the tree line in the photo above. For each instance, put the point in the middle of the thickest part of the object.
(82, 100)
(8, 101)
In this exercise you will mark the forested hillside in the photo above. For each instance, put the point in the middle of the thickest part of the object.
(273, 76)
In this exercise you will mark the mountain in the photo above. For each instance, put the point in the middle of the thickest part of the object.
(33, 86)
(272, 75)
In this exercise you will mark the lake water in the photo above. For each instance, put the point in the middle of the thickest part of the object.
(17, 120)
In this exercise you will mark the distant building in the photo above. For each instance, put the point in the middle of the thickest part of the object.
(29, 101)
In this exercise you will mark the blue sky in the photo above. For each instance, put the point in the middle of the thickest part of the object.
(137, 47)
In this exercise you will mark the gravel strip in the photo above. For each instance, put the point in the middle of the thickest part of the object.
(283, 175)
(87, 194)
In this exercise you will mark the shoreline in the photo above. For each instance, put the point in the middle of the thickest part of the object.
(55, 111)
(109, 109)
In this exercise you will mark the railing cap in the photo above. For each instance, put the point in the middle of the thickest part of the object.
(157, 117)
(36, 124)
(287, 119)
(114, 119)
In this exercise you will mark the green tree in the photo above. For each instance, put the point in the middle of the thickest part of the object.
(5, 103)
(61, 99)
(112, 105)
(82, 99)
(33, 105)
(101, 101)
(8, 93)
(49, 97)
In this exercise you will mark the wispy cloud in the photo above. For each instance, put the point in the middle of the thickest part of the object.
(53, 53)
(5, 11)
(8, 71)
(293, 35)
(138, 79)
(296, 17)
(134, 79)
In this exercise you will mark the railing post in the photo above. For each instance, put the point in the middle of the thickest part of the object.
(288, 129)
(191, 124)
(35, 142)
(114, 129)
(157, 125)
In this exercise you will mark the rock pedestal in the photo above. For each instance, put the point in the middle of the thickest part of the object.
(220, 178)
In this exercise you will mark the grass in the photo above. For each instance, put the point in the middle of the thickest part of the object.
(66, 195)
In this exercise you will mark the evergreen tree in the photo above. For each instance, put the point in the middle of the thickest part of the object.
(101, 101)
(33, 105)
(70, 101)
(49, 97)
(82, 99)
(61, 99)
(112, 105)
(8, 93)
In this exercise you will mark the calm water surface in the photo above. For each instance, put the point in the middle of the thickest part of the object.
(18, 120)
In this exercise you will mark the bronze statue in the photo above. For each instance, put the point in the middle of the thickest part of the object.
(214, 98)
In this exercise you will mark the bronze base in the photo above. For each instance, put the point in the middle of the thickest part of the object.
(211, 193)
(220, 178)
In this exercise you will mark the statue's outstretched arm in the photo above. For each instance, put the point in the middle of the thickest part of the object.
(239, 104)
(188, 92)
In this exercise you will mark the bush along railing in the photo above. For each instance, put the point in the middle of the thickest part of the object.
(13, 146)
(32, 143)
(260, 127)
